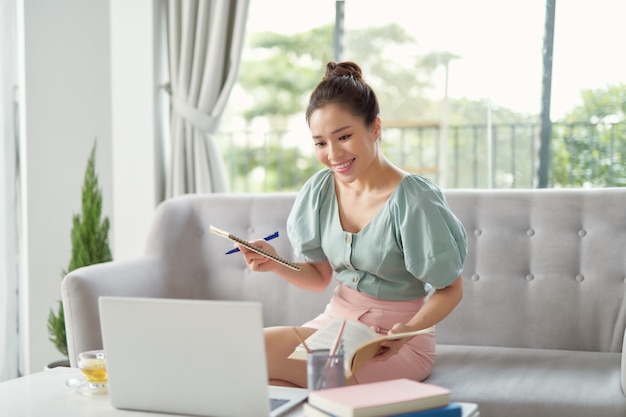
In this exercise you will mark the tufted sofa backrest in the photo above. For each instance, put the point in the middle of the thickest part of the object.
(546, 268)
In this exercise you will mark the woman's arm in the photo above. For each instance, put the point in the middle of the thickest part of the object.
(313, 277)
(439, 305)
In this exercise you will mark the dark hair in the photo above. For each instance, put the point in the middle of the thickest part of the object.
(343, 85)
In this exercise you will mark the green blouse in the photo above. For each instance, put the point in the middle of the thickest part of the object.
(414, 240)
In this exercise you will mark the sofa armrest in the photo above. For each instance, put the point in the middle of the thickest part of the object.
(81, 288)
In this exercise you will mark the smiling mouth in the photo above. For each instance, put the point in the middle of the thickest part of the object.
(343, 166)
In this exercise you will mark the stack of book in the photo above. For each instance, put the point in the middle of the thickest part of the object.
(394, 398)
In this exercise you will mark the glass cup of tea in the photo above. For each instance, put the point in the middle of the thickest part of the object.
(92, 364)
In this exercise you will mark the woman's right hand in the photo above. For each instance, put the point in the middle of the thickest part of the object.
(312, 277)
(257, 262)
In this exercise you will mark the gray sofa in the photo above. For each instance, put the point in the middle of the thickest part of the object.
(539, 332)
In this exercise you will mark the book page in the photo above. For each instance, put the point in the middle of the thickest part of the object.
(354, 335)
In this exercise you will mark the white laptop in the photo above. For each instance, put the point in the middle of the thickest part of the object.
(194, 357)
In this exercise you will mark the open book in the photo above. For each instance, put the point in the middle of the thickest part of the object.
(360, 342)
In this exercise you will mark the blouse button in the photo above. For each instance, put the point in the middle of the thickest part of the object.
(349, 239)
(478, 232)
(530, 277)
(355, 279)
(582, 233)
(580, 278)
(530, 233)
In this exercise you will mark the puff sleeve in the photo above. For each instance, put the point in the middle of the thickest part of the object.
(303, 223)
(433, 240)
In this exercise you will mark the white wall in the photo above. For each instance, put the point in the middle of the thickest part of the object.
(135, 93)
(68, 71)
(8, 190)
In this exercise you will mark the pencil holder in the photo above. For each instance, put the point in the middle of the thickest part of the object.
(325, 370)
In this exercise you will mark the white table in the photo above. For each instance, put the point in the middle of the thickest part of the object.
(45, 394)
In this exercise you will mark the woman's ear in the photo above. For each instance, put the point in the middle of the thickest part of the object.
(377, 128)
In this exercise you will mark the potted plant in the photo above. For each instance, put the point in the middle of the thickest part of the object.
(90, 245)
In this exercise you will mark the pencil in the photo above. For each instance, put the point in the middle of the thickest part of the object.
(333, 350)
(301, 340)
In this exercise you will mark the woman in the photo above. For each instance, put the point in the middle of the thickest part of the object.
(386, 235)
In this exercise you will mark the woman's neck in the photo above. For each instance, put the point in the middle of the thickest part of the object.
(380, 176)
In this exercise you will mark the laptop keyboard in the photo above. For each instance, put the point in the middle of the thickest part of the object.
(276, 402)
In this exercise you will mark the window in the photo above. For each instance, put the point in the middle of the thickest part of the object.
(459, 83)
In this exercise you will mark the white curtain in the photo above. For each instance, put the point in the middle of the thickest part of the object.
(204, 40)
(9, 193)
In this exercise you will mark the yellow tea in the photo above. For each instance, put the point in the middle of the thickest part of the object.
(93, 366)
(94, 370)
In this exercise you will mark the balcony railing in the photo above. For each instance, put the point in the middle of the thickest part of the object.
(473, 156)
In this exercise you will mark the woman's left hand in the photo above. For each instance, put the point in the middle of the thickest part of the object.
(392, 347)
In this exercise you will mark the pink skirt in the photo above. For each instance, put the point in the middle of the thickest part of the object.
(415, 359)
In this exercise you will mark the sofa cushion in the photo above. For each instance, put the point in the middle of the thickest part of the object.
(521, 382)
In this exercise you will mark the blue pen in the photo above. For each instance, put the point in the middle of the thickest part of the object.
(266, 238)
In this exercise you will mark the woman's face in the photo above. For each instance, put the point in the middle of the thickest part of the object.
(342, 141)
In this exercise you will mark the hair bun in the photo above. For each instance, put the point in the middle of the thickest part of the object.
(343, 85)
(343, 69)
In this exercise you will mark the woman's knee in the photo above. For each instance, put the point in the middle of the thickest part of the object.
(281, 341)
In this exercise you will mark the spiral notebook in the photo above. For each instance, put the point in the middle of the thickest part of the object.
(197, 357)
(254, 248)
